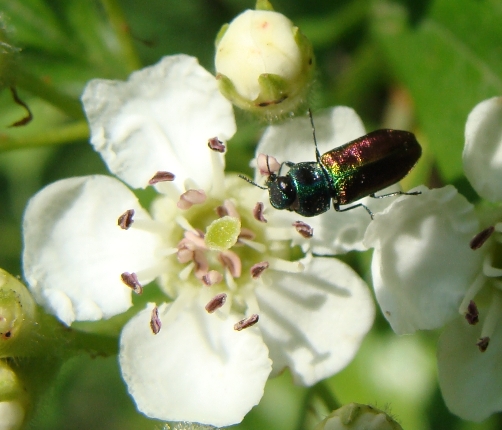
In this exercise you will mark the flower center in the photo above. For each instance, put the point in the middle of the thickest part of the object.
(223, 246)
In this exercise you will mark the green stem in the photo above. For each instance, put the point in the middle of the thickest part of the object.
(322, 392)
(72, 132)
(119, 24)
(39, 88)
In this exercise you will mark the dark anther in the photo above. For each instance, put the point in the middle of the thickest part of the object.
(216, 302)
(246, 322)
(258, 212)
(304, 229)
(131, 280)
(483, 343)
(472, 315)
(28, 117)
(258, 269)
(161, 177)
(125, 220)
(478, 240)
(221, 211)
(216, 145)
(155, 323)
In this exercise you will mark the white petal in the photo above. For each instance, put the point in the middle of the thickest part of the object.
(74, 251)
(422, 263)
(293, 141)
(470, 380)
(314, 322)
(159, 120)
(197, 368)
(482, 154)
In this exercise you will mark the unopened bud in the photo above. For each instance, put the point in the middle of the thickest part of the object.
(355, 416)
(264, 63)
(13, 399)
(17, 315)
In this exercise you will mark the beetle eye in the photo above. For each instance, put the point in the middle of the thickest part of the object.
(282, 192)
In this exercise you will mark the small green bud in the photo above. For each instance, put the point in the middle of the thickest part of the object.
(264, 64)
(13, 399)
(17, 315)
(223, 233)
(355, 416)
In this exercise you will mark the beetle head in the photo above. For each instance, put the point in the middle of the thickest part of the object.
(281, 190)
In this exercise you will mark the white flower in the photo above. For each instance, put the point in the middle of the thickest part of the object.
(202, 356)
(470, 348)
(434, 259)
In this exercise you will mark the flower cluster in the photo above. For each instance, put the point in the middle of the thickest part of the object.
(435, 257)
(470, 347)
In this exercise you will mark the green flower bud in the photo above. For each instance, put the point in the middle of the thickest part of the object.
(13, 399)
(264, 64)
(355, 416)
(17, 315)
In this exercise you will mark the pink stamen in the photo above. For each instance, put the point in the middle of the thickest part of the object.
(201, 264)
(212, 277)
(190, 198)
(304, 229)
(258, 269)
(197, 238)
(472, 314)
(155, 323)
(221, 211)
(483, 343)
(231, 210)
(479, 240)
(161, 177)
(258, 212)
(216, 145)
(246, 322)
(246, 233)
(131, 280)
(125, 220)
(216, 302)
(232, 262)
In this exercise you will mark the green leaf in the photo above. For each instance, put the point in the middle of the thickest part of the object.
(34, 23)
(449, 59)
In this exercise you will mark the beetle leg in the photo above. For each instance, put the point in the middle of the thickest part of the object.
(336, 206)
(397, 193)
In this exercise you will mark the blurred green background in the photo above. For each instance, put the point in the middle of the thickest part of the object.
(416, 65)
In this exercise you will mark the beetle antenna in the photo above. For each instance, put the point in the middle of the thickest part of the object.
(317, 154)
(268, 167)
(252, 182)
